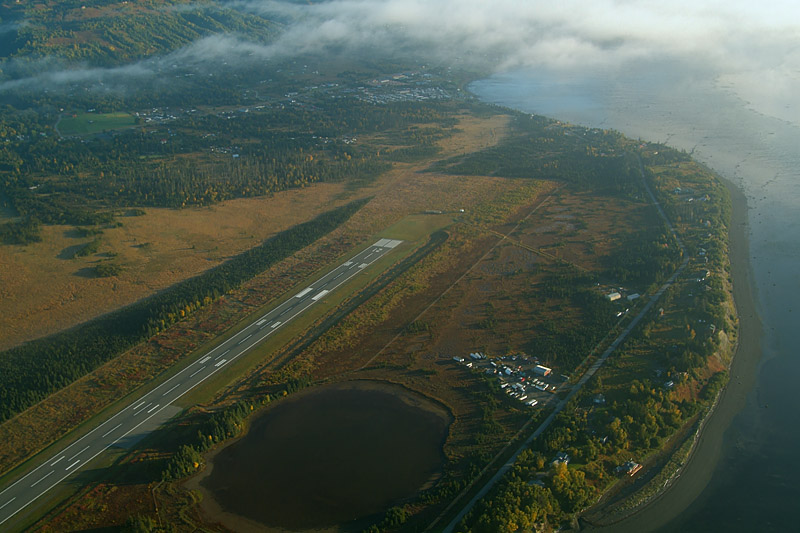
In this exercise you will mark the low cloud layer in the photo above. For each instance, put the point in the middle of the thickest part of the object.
(732, 39)
(729, 34)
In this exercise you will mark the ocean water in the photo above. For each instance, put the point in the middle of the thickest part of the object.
(752, 139)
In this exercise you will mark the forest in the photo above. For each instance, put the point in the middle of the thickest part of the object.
(199, 160)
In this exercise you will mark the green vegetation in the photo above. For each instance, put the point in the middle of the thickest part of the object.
(107, 269)
(541, 148)
(30, 372)
(109, 32)
(90, 248)
(83, 181)
(84, 123)
(645, 386)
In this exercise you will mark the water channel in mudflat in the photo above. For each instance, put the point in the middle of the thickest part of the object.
(327, 457)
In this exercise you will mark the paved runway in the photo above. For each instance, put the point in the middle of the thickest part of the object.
(134, 416)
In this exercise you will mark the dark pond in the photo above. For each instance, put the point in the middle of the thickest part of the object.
(329, 456)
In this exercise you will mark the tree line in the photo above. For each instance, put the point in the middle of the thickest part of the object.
(32, 371)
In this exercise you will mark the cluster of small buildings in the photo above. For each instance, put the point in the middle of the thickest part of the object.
(613, 296)
(391, 94)
(517, 381)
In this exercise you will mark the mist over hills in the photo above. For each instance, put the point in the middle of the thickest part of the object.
(113, 44)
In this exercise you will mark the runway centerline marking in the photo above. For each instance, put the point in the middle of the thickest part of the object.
(111, 430)
(77, 454)
(172, 389)
(42, 478)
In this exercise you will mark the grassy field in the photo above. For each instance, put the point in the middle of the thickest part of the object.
(88, 123)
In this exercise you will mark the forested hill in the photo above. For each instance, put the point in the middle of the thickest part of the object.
(113, 32)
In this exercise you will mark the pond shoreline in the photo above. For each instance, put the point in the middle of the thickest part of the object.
(214, 511)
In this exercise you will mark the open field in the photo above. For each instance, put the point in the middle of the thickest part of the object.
(215, 234)
(87, 123)
(522, 270)
(155, 251)
(165, 246)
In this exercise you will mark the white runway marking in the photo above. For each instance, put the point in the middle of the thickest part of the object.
(73, 464)
(57, 461)
(320, 294)
(42, 478)
(112, 429)
(197, 372)
(77, 454)
(303, 292)
(153, 408)
(170, 390)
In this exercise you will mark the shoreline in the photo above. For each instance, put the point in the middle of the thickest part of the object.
(689, 482)
(214, 511)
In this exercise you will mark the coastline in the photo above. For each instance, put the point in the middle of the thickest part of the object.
(687, 485)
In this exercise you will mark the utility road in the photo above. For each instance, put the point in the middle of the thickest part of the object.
(132, 417)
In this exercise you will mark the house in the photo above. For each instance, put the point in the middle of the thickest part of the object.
(599, 399)
(542, 370)
(632, 297)
(629, 468)
(561, 457)
(613, 296)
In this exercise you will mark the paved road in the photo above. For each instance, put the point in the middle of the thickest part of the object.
(587, 375)
(134, 416)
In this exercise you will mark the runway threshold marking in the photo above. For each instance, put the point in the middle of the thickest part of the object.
(275, 325)
(320, 294)
(303, 292)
